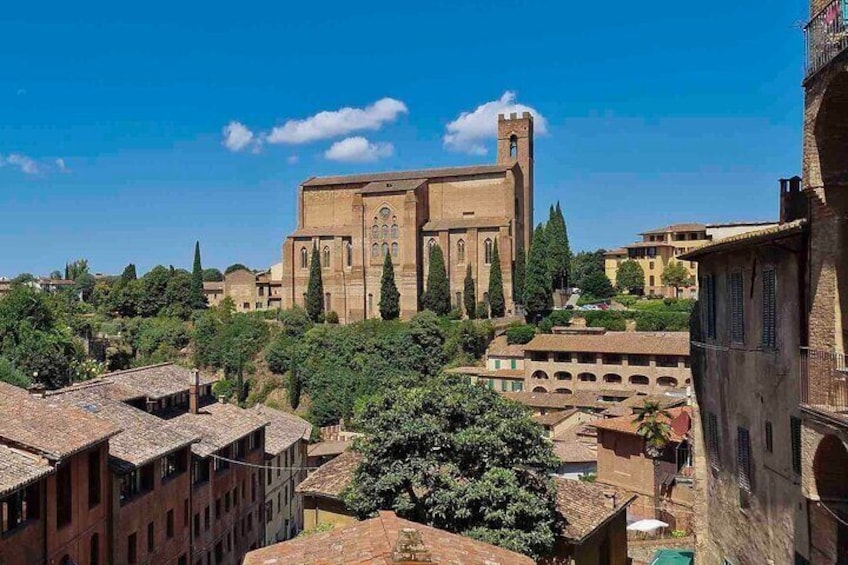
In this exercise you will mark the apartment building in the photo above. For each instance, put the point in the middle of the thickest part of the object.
(248, 290)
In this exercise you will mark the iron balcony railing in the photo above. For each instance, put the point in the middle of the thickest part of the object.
(824, 380)
(826, 35)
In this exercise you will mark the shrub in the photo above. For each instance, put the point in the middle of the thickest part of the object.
(455, 314)
(482, 311)
(611, 321)
(626, 300)
(520, 334)
(555, 318)
(332, 317)
(223, 387)
(662, 322)
(278, 354)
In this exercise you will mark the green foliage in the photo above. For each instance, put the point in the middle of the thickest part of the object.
(84, 285)
(229, 341)
(212, 275)
(315, 289)
(197, 298)
(519, 276)
(179, 299)
(295, 387)
(630, 276)
(496, 292)
(537, 287)
(607, 319)
(320, 528)
(146, 335)
(75, 269)
(437, 296)
(23, 278)
(653, 426)
(458, 457)
(12, 375)
(588, 477)
(554, 319)
(129, 273)
(389, 295)
(662, 321)
(332, 317)
(295, 321)
(279, 353)
(224, 388)
(626, 300)
(558, 251)
(469, 343)
(520, 333)
(469, 294)
(584, 264)
(235, 267)
(598, 285)
(482, 311)
(676, 275)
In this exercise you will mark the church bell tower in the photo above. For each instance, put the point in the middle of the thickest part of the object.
(515, 144)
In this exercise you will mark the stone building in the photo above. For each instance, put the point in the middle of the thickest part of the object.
(248, 290)
(354, 221)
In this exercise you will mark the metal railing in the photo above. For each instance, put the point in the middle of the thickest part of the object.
(826, 35)
(824, 380)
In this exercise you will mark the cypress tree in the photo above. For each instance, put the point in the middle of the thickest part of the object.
(557, 252)
(437, 296)
(295, 386)
(468, 295)
(568, 254)
(196, 297)
(496, 293)
(129, 273)
(537, 287)
(518, 278)
(315, 289)
(389, 295)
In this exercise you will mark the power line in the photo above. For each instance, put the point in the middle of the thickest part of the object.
(255, 466)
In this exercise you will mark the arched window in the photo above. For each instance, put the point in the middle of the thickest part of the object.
(540, 375)
(328, 302)
(348, 254)
(487, 251)
(430, 245)
(394, 249)
(385, 212)
(384, 232)
(304, 258)
(612, 378)
(375, 251)
(370, 304)
(639, 380)
(563, 391)
(375, 231)
(94, 550)
(667, 381)
(486, 298)
(513, 146)
(325, 257)
(394, 231)
(385, 248)
(562, 376)
(587, 377)
(540, 389)
(460, 250)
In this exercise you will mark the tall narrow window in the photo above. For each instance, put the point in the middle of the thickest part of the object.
(327, 302)
(487, 251)
(384, 232)
(348, 254)
(325, 257)
(304, 258)
(769, 437)
(64, 496)
(394, 249)
(94, 478)
(395, 231)
(769, 340)
(460, 250)
(385, 249)
(94, 550)
(375, 231)
(370, 304)
(737, 321)
(513, 146)
(708, 311)
(375, 251)
(795, 429)
(132, 548)
(743, 459)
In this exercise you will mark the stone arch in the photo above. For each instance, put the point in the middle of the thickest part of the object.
(829, 464)
(562, 376)
(540, 375)
(612, 378)
(563, 391)
(304, 258)
(539, 389)
(587, 377)
(667, 381)
(639, 380)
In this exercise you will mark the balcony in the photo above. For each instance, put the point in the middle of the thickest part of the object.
(824, 381)
(826, 36)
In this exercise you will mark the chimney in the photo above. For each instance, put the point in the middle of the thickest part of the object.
(793, 201)
(410, 549)
(610, 496)
(194, 391)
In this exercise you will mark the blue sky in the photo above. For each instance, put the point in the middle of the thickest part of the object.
(112, 115)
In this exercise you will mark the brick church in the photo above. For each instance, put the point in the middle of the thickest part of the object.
(355, 220)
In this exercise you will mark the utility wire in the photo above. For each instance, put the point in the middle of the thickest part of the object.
(255, 466)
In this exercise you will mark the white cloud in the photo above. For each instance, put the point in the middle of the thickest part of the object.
(327, 124)
(358, 150)
(22, 162)
(60, 164)
(237, 136)
(470, 129)
(292, 159)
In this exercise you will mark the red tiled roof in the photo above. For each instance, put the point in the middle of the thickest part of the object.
(446, 172)
(284, 429)
(680, 422)
(19, 469)
(331, 478)
(500, 348)
(587, 506)
(641, 343)
(676, 228)
(376, 542)
(771, 233)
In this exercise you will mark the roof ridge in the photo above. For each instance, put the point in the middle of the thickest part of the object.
(137, 369)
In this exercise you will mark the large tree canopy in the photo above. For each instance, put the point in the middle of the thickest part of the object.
(437, 295)
(496, 292)
(630, 276)
(458, 457)
(315, 289)
(389, 295)
(537, 285)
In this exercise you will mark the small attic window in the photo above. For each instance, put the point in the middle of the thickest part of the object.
(388, 185)
(468, 214)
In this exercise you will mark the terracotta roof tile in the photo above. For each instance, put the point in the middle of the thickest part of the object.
(570, 448)
(327, 231)
(680, 422)
(676, 228)
(586, 506)
(217, 424)
(642, 343)
(625, 407)
(554, 418)
(500, 348)
(155, 381)
(19, 469)
(46, 426)
(284, 429)
(464, 223)
(379, 187)
(748, 238)
(447, 172)
(331, 447)
(331, 478)
(375, 542)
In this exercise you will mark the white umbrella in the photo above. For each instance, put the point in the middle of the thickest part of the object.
(648, 526)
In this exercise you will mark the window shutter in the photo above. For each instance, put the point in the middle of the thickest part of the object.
(737, 322)
(769, 309)
(795, 427)
(743, 458)
(712, 438)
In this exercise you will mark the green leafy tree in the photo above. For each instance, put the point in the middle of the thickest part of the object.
(198, 299)
(235, 267)
(597, 285)
(295, 387)
(55, 275)
(676, 275)
(630, 276)
(295, 321)
(558, 253)
(154, 284)
(537, 287)
(179, 300)
(496, 292)
(520, 334)
(437, 295)
(469, 295)
(653, 427)
(519, 277)
(129, 273)
(389, 295)
(212, 275)
(76, 268)
(315, 289)
(568, 254)
(84, 285)
(584, 264)
(436, 454)
(23, 278)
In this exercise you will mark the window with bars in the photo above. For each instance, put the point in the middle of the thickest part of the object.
(769, 437)
(712, 439)
(769, 340)
(795, 429)
(743, 459)
(708, 316)
(737, 321)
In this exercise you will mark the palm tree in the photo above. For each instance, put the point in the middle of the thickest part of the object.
(653, 426)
